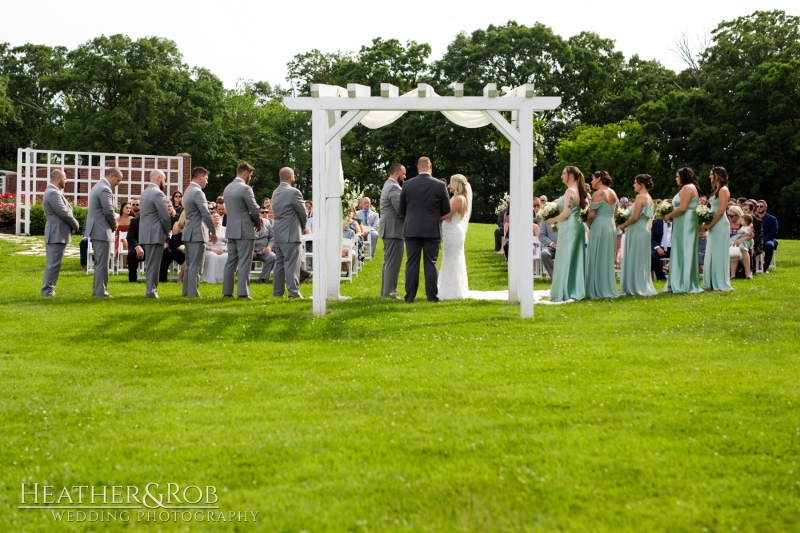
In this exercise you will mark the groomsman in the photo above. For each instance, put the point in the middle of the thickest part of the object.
(290, 220)
(244, 220)
(391, 231)
(61, 225)
(100, 226)
(153, 228)
(196, 232)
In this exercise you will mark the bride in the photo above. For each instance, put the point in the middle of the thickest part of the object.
(453, 274)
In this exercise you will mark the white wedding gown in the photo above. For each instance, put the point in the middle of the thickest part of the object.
(453, 284)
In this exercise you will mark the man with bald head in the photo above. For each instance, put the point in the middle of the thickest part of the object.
(154, 227)
(61, 225)
(423, 202)
(100, 226)
(290, 221)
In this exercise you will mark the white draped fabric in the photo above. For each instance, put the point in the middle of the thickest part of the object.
(466, 119)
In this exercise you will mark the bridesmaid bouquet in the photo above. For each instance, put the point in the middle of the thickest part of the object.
(621, 216)
(662, 209)
(585, 214)
(549, 210)
(704, 214)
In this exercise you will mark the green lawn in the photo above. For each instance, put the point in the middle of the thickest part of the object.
(673, 413)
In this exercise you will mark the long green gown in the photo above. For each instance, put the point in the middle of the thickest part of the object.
(568, 271)
(716, 265)
(601, 281)
(636, 256)
(684, 274)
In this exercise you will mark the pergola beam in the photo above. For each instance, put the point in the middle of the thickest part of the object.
(442, 103)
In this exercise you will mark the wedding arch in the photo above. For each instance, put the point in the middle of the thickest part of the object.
(328, 126)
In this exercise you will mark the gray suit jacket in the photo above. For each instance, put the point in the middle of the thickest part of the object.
(391, 225)
(60, 220)
(265, 237)
(290, 213)
(154, 216)
(100, 220)
(370, 220)
(242, 210)
(546, 234)
(198, 218)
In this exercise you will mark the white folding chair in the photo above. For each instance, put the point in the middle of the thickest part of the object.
(306, 255)
(347, 260)
(121, 259)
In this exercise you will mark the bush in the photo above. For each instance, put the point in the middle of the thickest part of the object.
(8, 209)
(38, 220)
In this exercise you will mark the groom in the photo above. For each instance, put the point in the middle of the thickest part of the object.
(423, 203)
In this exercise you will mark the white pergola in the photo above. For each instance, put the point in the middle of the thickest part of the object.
(328, 126)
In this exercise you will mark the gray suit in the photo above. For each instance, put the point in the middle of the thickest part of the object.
(265, 238)
(546, 238)
(290, 219)
(391, 231)
(100, 226)
(243, 217)
(57, 234)
(153, 230)
(371, 221)
(195, 234)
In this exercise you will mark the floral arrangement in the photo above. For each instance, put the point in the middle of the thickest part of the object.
(8, 209)
(704, 214)
(502, 205)
(351, 198)
(662, 209)
(584, 214)
(549, 210)
(621, 216)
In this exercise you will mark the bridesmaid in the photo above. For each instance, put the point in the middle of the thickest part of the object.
(716, 275)
(601, 281)
(684, 273)
(568, 273)
(636, 258)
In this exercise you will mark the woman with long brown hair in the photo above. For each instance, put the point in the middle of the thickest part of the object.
(716, 275)
(684, 270)
(569, 281)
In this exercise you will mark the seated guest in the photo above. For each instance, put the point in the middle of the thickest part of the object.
(703, 200)
(660, 242)
(266, 203)
(136, 254)
(216, 253)
(701, 247)
(548, 240)
(265, 242)
(770, 237)
(370, 224)
(223, 217)
(176, 244)
(499, 232)
(749, 208)
(349, 250)
(176, 202)
(741, 240)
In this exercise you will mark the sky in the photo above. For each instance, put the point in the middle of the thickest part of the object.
(254, 40)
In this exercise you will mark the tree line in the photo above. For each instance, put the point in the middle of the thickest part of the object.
(736, 104)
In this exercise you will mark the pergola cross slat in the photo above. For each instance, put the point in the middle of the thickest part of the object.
(328, 126)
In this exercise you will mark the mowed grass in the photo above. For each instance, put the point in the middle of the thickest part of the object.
(671, 413)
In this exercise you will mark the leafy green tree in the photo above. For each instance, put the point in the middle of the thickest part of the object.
(32, 103)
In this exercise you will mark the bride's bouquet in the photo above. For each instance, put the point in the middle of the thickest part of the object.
(704, 214)
(662, 209)
(549, 210)
(621, 216)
